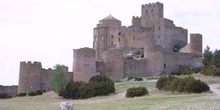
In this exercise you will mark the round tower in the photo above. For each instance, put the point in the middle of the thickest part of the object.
(84, 64)
(30, 77)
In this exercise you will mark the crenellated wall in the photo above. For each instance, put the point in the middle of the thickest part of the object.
(33, 77)
(11, 90)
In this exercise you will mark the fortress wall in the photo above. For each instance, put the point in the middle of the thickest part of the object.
(46, 79)
(173, 60)
(173, 35)
(84, 64)
(11, 90)
(135, 67)
(114, 64)
(29, 77)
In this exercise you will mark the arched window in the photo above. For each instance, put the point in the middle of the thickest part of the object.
(102, 38)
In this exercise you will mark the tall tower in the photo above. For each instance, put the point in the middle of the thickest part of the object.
(30, 77)
(84, 64)
(151, 14)
(101, 38)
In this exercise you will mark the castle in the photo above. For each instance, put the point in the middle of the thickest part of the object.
(151, 46)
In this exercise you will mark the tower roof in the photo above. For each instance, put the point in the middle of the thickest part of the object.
(110, 17)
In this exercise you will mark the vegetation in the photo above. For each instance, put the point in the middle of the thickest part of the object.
(58, 79)
(22, 94)
(136, 92)
(188, 84)
(4, 96)
(98, 86)
(211, 71)
(176, 48)
(35, 93)
(185, 70)
(211, 58)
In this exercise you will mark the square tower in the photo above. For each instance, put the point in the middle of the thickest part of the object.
(151, 14)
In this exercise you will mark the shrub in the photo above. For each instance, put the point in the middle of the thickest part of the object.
(39, 92)
(32, 94)
(189, 84)
(136, 92)
(97, 86)
(211, 71)
(185, 70)
(104, 84)
(5, 96)
(22, 94)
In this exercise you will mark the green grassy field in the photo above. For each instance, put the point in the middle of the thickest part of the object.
(157, 100)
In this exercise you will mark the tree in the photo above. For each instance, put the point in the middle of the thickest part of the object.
(216, 58)
(207, 60)
(58, 79)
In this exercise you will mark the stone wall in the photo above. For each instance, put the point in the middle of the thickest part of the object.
(135, 67)
(33, 77)
(173, 60)
(11, 90)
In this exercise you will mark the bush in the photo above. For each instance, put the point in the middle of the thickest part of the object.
(5, 96)
(39, 92)
(211, 71)
(185, 70)
(136, 92)
(189, 84)
(97, 86)
(32, 94)
(22, 94)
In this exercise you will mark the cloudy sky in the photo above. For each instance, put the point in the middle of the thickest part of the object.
(48, 30)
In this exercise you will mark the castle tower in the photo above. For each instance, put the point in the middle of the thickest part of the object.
(101, 39)
(84, 64)
(30, 77)
(154, 55)
(151, 14)
(195, 44)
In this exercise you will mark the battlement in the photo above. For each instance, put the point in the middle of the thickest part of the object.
(30, 63)
(152, 4)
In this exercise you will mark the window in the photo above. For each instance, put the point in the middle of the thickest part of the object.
(164, 65)
(112, 36)
(133, 37)
(152, 10)
(158, 37)
(119, 33)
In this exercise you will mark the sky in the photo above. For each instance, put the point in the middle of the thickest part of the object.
(49, 30)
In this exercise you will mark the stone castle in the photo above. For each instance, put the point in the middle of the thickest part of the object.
(151, 46)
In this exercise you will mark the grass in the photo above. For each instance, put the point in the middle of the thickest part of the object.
(157, 100)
